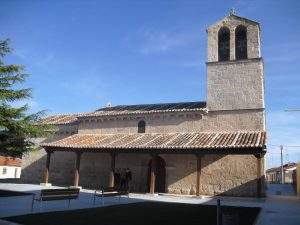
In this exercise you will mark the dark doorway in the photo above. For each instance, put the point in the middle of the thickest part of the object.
(160, 175)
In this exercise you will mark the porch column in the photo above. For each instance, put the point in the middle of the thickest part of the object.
(152, 174)
(47, 168)
(112, 170)
(77, 168)
(260, 175)
(198, 181)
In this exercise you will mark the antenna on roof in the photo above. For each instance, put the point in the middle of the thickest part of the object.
(232, 11)
(108, 105)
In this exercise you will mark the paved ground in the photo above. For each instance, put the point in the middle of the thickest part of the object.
(281, 189)
(10, 206)
(280, 209)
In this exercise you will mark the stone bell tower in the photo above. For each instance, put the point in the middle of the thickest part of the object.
(235, 73)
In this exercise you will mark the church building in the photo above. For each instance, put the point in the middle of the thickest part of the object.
(212, 147)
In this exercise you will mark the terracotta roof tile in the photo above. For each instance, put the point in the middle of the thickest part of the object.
(10, 161)
(61, 119)
(210, 140)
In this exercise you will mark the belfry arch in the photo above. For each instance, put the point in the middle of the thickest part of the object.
(224, 44)
(241, 42)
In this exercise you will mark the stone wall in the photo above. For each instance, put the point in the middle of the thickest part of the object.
(233, 175)
(235, 120)
(221, 175)
(33, 164)
(181, 174)
(235, 85)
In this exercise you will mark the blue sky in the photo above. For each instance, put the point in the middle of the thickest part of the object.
(84, 54)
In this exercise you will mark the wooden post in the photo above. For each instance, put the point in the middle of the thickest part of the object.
(260, 175)
(47, 168)
(77, 168)
(112, 170)
(198, 181)
(152, 175)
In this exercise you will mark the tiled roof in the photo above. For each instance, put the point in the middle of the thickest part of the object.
(285, 166)
(60, 119)
(10, 161)
(207, 140)
(128, 110)
(147, 109)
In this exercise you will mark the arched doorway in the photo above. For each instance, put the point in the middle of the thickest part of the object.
(160, 175)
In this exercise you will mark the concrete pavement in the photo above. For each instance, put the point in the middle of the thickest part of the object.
(283, 210)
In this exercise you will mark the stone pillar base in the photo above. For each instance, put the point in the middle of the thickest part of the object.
(154, 194)
(80, 187)
(46, 184)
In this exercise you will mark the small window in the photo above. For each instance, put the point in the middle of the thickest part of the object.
(241, 42)
(224, 44)
(4, 171)
(142, 126)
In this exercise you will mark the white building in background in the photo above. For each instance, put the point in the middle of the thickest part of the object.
(10, 167)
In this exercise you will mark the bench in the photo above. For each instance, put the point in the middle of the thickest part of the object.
(109, 192)
(56, 194)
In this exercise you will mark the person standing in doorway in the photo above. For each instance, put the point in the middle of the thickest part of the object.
(117, 177)
(128, 178)
(123, 178)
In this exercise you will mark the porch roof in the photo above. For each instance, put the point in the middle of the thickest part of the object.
(221, 141)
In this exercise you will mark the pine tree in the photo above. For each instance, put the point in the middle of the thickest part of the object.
(17, 127)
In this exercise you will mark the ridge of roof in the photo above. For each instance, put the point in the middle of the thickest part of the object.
(244, 18)
(136, 109)
(285, 166)
(236, 17)
(151, 104)
(148, 109)
(60, 119)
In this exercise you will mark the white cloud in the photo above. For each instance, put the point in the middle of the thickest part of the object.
(283, 129)
(151, 41)
(21, 53)
(33, 105)
(191, 64)
(90, 85)
(45, 60)
(282, 52)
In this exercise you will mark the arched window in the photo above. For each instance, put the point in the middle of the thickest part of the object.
(241, 42)
(224, 44)
(142, 126)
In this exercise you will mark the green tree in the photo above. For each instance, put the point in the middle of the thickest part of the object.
(17, 126)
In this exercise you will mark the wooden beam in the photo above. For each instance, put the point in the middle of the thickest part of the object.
(47, 167)
(152, 174)
(203, 151)
(77, 169)
(198, 181)
(112, 170)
